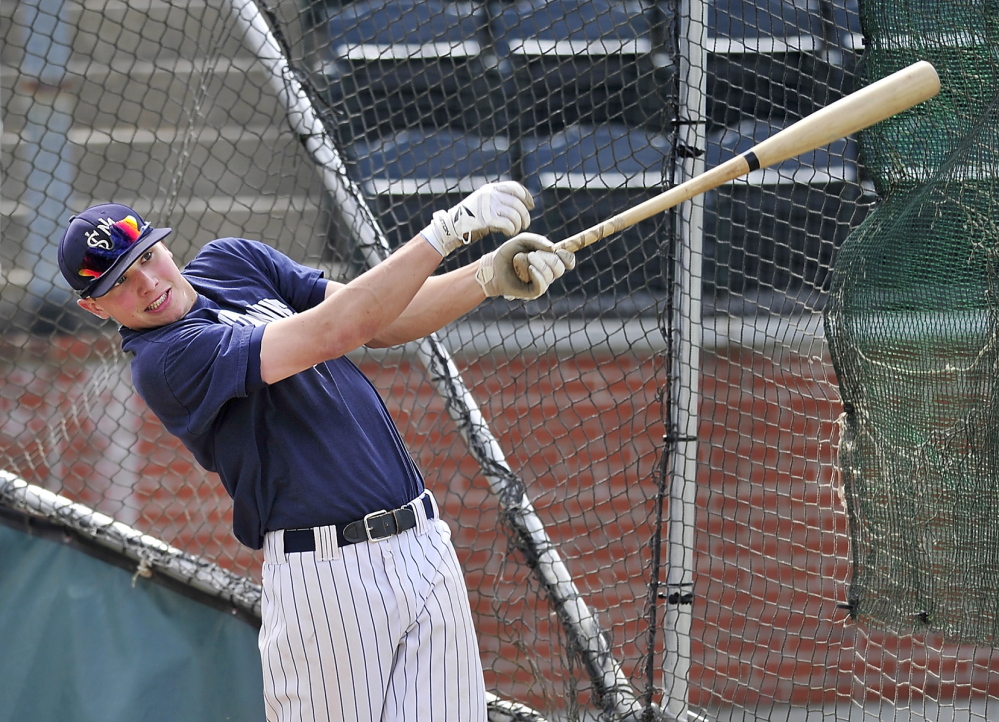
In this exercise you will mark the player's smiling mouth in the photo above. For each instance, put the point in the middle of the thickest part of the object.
(155, 305)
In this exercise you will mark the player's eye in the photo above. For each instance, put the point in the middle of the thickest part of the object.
(146, 256)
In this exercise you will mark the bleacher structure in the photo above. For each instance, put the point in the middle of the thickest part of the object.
(643, 468)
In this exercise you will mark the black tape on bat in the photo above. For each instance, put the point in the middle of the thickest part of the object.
(752, 160)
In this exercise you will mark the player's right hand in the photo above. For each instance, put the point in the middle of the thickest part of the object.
(498, 277)
(504, 207)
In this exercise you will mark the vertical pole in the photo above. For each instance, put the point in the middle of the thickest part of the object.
(686, 365)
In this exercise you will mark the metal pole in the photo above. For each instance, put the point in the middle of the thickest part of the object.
(686, 367)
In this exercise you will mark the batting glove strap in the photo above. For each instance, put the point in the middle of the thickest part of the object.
(442, 241)
(497, 276)
(504, 207)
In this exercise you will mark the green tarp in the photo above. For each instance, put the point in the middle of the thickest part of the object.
(79, 642)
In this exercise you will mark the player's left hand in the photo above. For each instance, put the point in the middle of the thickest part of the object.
(498, 277)
(504, 207)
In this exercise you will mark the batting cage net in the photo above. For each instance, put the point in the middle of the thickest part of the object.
(739, 464)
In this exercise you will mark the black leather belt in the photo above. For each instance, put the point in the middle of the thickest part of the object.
(373, 527)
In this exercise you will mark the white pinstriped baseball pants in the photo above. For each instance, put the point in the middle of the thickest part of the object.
(377, 631)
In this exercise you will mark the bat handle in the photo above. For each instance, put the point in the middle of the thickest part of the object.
(520, 266)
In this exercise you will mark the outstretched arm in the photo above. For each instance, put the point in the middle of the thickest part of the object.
(350, 316)
(370, 309)
(448, 297)
(441, 300)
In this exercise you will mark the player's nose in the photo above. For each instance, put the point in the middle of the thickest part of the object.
(145, 282)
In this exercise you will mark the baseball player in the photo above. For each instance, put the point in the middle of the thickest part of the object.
(242, 355)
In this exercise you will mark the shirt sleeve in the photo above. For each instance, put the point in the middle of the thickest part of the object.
(299, 285)
(240, 260)
(188, 380)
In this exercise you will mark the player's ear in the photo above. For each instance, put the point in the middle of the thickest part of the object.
(89, 304)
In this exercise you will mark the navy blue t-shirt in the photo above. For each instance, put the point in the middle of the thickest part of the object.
(314, 449)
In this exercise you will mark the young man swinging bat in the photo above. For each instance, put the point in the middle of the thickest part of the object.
(242, 355)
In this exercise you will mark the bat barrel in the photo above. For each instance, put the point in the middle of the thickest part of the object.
(876, 102)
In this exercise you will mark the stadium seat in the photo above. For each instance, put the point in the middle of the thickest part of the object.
(569, 61)
(763, 58)
(585, 174)
(771, 235)
(412, 173)
(395, 64)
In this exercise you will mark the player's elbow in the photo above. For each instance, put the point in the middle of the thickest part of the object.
(292, 345)
(337, 340)
(385, 341)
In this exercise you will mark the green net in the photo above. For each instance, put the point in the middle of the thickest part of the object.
(912, 330)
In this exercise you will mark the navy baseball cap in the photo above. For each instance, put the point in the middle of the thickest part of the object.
(101, 243)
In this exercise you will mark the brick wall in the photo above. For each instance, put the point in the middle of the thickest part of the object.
(584, 433)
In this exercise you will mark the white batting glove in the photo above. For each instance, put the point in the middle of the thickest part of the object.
(504, 206)
(498, 277)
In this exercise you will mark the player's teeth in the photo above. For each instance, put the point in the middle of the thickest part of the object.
(157, 303)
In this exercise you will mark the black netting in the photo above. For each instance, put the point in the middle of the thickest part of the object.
(639, 468)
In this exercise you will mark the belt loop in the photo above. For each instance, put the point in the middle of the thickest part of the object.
(420, 514)
(327, 547)
(420, 510)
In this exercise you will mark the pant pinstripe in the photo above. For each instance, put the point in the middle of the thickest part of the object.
(377, 631)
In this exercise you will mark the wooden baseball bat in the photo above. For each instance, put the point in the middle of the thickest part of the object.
(876, 102)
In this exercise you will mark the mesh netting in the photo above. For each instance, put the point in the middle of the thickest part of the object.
(913, 331)
(639, 468)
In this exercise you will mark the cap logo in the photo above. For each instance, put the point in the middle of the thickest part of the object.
(107, 242)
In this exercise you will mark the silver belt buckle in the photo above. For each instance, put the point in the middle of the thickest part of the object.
(367, 527)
